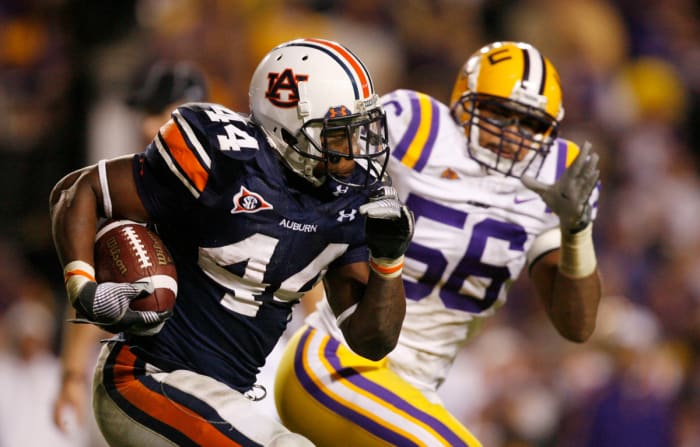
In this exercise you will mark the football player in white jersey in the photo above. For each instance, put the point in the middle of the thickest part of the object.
(255, 210)
(493, 191)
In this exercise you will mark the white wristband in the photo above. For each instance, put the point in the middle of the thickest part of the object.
(75, 275)
(577, 257)
(387, 268)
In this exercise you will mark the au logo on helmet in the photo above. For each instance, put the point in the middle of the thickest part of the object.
(283, 88)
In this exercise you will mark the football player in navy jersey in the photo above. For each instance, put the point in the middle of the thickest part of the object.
(155, 93)
(494, 192)
(255, 209)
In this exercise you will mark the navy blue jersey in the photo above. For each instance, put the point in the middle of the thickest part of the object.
(248, 236)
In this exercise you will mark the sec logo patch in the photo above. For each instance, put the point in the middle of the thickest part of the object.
(246, 201)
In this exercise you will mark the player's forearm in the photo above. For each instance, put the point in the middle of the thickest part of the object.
(374, 327)
(576, 288)
(574, 305)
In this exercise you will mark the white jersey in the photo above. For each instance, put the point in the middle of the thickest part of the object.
(474, 233)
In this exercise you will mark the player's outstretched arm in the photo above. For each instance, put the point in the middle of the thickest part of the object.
(76, 204)
(567, 279)
(368, 299)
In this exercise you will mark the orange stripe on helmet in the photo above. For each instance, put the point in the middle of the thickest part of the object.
(161, 408)
(183, 155)
(350, 58)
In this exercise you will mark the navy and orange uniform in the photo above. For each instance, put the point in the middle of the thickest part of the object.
(249, 238)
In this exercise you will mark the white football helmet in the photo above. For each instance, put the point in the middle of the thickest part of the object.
(305, 90)
(511, 91)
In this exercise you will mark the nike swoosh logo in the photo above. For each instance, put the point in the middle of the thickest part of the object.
(519, 201)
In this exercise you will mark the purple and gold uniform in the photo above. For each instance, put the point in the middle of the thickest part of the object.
(474, 234)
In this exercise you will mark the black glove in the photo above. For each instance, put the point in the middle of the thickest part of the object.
(389, 225)
(107, 305)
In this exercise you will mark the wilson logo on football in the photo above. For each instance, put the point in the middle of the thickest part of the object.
(249, 202)
(283, 88)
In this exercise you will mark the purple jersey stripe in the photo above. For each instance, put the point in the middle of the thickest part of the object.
(358, 380)
(388, 396)
(562, 146)
(561, 157)
(432, 136)
(348, 413)
(401, 148)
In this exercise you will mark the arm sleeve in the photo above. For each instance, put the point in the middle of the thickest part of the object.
(355, 253)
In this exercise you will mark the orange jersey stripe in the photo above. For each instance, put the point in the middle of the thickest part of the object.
(184, 157)
(352, 61)
(161, 408)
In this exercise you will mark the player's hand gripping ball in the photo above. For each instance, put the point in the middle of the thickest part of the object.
(128, 252)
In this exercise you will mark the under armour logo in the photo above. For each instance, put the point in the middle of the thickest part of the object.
(343, 215)
(249, 202)
(287, 82)
(337, 112)
(341, 190)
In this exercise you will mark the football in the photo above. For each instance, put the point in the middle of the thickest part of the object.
(127, 251)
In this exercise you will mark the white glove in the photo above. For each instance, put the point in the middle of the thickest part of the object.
(107, 305)
(568, 196)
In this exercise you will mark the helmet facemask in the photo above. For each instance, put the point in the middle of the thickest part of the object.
(508, 99)
(522, 135)
(324, 142)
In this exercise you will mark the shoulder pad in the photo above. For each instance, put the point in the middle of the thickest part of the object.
(196, 133)
(413, 120)
(563, 153)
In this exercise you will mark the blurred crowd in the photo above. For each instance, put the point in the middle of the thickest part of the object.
(630, 70)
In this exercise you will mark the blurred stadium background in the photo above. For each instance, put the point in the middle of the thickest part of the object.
(630, 71)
